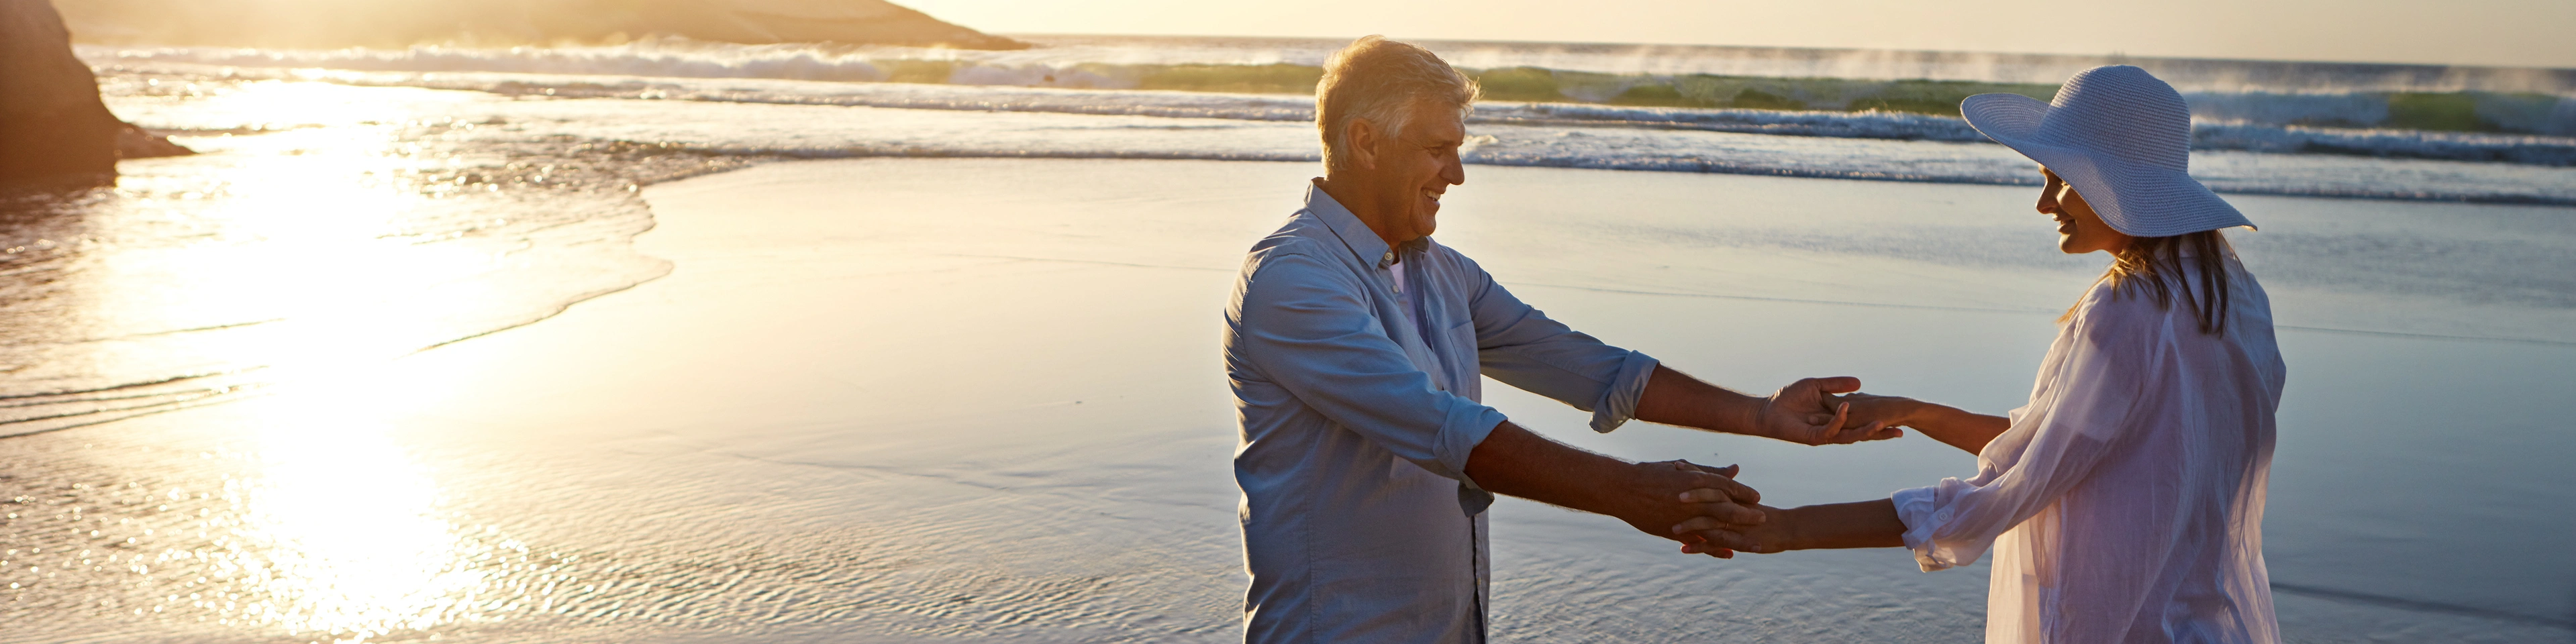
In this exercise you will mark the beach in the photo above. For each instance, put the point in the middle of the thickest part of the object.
(981, 399)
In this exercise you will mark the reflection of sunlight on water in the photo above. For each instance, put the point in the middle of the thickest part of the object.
(332, 532)
(352, 228)
(310, 251)
(337, 533)
(331, 219)
(333, 258)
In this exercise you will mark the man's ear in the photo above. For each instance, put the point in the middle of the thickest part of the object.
(1360, 141)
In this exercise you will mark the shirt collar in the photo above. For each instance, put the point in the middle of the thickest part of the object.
(1363, 242)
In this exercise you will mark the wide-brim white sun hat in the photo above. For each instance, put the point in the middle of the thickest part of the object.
(2122, 138)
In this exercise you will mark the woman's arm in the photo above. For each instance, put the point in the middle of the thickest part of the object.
(1950, 425)
(1863, 524)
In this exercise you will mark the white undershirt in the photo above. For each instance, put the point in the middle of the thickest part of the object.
(1404, 302)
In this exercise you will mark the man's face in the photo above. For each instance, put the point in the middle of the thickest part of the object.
(1415, 169)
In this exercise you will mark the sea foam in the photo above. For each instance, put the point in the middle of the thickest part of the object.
(2486, 114)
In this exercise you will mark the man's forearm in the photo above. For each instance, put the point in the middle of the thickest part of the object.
(1513, 461)
(1675, 398)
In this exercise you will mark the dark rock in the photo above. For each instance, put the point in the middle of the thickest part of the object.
(402, 23)
(53, 128)
(52, 124)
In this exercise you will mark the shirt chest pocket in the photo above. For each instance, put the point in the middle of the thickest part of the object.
(1461, 335)
(1465, 373)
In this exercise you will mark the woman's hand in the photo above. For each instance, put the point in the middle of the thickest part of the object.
(1774, 534)
(1807, 412)
(1654, 485)
(1891, 411)
(1952, 426)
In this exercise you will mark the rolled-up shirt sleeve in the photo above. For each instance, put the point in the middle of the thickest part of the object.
(1520, 346)
(1306, 330)
(2099, 370)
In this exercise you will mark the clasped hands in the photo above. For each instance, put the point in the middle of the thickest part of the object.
(1720, 518)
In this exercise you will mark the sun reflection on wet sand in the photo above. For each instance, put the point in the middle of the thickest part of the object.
(338, 534)
(312, 514)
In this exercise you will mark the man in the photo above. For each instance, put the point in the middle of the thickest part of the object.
(1353, 347)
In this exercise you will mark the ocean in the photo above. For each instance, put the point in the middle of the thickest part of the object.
(358, 208)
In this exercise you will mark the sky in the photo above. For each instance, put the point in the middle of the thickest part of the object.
(2516, 33)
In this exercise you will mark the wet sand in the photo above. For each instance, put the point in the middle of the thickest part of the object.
(909, 400)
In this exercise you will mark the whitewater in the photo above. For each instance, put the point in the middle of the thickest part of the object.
(2359, 130)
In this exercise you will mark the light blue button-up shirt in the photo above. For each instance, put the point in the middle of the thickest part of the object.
(1359, 521)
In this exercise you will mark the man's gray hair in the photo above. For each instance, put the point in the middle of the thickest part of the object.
(1383, 81)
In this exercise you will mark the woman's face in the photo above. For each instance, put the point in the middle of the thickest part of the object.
(2079, 230)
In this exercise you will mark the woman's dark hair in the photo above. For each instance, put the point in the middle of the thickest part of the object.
(2153, 267)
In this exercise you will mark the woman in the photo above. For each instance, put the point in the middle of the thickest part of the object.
(2124, 503)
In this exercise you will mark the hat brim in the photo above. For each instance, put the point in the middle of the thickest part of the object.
(2139, 201)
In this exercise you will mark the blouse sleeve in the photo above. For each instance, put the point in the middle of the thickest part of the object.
(2083, 407)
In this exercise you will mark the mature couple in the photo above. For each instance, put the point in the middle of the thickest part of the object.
(2122, 504)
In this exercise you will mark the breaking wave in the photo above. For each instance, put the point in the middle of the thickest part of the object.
(773, 75)
(2468, 114)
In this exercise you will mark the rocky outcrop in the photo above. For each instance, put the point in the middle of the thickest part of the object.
(402, 23)
(51, 121)
(52, 124)
(852, 21)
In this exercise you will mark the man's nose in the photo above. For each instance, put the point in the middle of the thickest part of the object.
(1454, 172)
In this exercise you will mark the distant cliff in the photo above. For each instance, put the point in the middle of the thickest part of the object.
(51, 121)
(401, 23)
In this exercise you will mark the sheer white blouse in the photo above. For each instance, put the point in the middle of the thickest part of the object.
(2125, 504)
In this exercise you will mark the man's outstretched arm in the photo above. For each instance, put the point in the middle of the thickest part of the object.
(1516, 462)
(1798, 413)
(1522, 347)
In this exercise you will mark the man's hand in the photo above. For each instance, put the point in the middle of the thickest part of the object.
(1654, 487)
(1807, 412)
(1950, 425)
(1516, 462)
(1861, 524)
(1773, 535)
(1891, 411)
